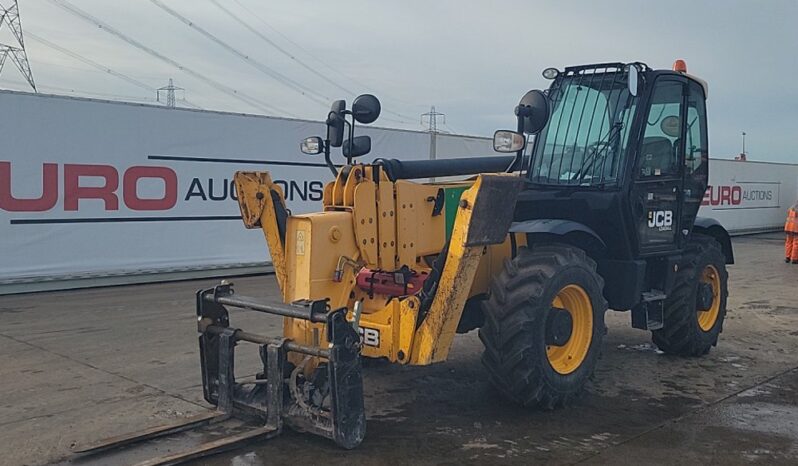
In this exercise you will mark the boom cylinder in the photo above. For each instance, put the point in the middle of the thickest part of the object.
(415, 169)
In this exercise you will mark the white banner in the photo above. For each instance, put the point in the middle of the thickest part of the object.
(749, 196)
(93, 188)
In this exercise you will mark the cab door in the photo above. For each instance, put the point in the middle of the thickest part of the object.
(658, 176)
(696, 155)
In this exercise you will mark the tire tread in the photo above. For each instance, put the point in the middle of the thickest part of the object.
(513, 310)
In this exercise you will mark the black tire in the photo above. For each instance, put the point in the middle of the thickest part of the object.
(681, 333)
(514, 333)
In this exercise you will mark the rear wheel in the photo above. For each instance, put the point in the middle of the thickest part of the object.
(696, 307)
(544, 322)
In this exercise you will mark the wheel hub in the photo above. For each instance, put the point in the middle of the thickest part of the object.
(709, 298)
(559, 326)
(569, 329)
(705, 296)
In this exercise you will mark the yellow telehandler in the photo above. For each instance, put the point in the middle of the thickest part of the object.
(531, 248)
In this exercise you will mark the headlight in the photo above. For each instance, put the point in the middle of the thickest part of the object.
(508, 141)
(551, 73)
(312, 145)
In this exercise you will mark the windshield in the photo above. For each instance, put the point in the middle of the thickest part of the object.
(585, 141)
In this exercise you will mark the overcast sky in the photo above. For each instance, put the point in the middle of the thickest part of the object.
(472, 60)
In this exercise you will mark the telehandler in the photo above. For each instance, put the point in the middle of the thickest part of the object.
(530, 248)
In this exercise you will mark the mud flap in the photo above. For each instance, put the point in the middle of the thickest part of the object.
(485, 212)
(493, 210)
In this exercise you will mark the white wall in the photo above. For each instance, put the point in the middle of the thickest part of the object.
(750, 196)
(199, 230)
(449, 146)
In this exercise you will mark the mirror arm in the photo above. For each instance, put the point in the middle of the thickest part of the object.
(327, 160)
(531, 153)
(519, 156)
(351, 136)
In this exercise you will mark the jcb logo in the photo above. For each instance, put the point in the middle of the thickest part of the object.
(369, 336)
(660, 219)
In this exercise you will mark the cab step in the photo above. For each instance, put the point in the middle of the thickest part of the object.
(649, 313)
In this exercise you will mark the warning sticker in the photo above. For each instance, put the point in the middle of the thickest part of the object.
(300, 242)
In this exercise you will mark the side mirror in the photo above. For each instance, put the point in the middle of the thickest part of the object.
(361, 145)
(633, 79)
(366, 109)
(312, 146)
(335, 123)
(532, 112)
(508, 141)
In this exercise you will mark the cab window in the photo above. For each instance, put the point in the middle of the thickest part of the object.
(696, 153)
(585, 142)
(659, 151)
(696, 144)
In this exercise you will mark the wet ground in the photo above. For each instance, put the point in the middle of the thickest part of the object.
(81, 365)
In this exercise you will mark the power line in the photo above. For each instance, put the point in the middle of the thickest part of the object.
(288, 54)
(92, 63)
(183, 100)
(102, 95)
(288, 39)
(101, 67)
(285, 80)
(71, 90)
(451, 129)
(315, 58)
(252, 101)
(19, 56)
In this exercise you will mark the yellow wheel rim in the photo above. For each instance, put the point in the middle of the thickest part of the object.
(567, 358)
(707, 319)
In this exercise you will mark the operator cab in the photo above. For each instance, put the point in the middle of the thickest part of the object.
(619, 169)
(624, 152)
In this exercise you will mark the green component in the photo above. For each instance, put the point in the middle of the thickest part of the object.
(452, 199)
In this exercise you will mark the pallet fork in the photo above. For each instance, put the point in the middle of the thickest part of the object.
(328, 403)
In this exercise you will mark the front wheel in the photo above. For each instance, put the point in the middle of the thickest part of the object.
(544, 322)
(696, 307)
